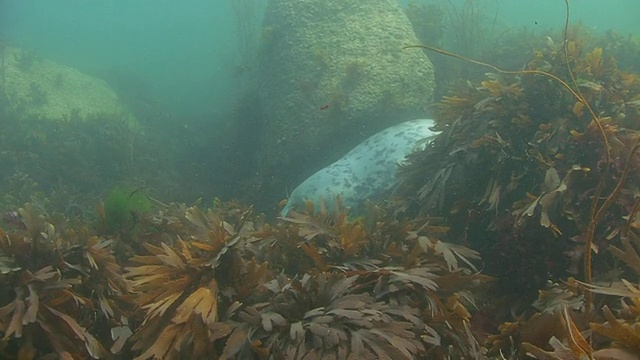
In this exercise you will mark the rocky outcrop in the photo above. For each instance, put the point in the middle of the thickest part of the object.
(333, 72)
(38, 88)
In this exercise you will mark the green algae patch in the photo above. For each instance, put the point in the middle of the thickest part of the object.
(122, 207)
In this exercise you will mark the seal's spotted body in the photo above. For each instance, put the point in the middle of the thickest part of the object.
(366, 171)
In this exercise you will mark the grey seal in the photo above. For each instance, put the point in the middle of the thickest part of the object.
(365, 172)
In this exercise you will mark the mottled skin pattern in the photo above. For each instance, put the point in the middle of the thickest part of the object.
(365, 172)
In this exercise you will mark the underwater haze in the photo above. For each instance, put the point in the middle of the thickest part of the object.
(597, 15)
(194, 75)
(319, 179)
(186, 51)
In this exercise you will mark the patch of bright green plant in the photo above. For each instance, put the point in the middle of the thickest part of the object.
(122, 207)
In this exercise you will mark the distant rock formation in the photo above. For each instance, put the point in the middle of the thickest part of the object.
(38, 88)
(334, 72)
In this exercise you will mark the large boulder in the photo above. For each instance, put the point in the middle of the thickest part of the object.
(334, 72)
(38, 88)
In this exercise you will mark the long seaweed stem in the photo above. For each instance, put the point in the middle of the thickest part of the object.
(597, 216)
(502, 71)
(609, 200)
(593, 217)
(632, 216)
(3, 70)
(595, 213)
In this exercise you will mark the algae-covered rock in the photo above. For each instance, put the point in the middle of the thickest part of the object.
(333, 69)
(36, 87)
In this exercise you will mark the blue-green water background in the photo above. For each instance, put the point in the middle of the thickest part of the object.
(189, 76)
(187, 51)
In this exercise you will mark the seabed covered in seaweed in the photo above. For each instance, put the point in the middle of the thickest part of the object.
(515, 235)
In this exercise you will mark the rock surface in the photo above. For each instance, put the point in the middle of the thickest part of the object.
(333, 72)
(38, 88)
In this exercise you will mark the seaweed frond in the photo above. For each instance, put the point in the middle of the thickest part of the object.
(186, 289)
(44, 309)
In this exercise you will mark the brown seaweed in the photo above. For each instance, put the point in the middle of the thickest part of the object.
(59, 289)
